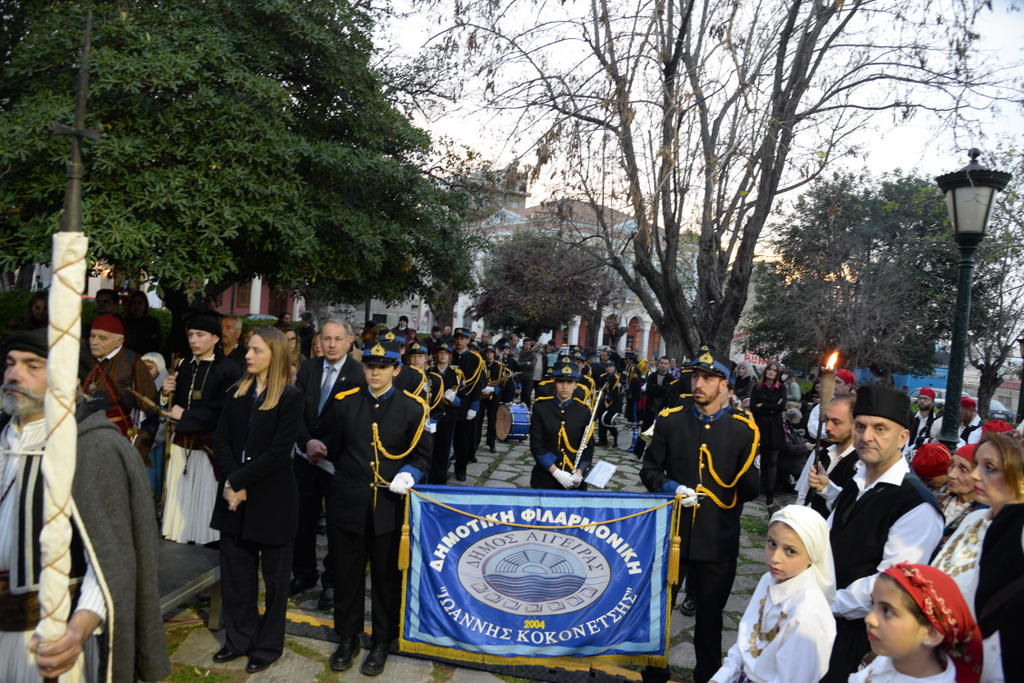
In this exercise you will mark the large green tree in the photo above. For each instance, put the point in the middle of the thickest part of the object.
(241, 138)
(531, 281)
(863, 266)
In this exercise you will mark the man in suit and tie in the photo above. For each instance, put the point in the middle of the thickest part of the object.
(319, 379)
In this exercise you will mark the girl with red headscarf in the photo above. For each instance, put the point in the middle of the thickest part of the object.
(921, 629)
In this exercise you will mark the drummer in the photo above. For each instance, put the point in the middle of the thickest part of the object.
(557, 430)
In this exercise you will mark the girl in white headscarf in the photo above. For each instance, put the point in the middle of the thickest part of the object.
(787, 630)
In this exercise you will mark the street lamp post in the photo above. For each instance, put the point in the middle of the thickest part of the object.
(1020, 389)
(969, 193)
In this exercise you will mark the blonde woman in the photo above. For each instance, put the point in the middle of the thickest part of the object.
(257, 510)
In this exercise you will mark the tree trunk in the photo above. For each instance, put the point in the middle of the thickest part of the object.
(988, 383)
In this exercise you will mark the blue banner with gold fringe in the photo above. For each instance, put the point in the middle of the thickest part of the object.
(516, 575)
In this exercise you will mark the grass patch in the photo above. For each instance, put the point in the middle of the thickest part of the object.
(327, 675)
(177, 633)
(303, 650)
(191, 674)
(441, 672)
(755, 526)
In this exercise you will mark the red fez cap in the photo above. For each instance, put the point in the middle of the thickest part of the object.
(846, 376)
(997, 426)
(927, 391)
(108, 323)
(931, 460)
(967, 452)
(968, 402)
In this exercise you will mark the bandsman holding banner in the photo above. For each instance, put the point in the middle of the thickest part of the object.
(380, 448)
(561, 434)
(704, 451)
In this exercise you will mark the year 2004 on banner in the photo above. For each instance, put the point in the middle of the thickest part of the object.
(515, 575)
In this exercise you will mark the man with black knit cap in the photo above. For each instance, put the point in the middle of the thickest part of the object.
(884, 516)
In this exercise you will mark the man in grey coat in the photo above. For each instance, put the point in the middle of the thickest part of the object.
(113, 548)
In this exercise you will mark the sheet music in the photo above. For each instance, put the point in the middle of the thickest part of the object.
(601, 473)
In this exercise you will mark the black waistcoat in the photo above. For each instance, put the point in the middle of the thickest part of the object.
(860, 528)
(1002, 563)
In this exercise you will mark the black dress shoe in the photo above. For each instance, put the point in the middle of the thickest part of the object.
(225, 654)
(472, 458)
(460, 476)
(491, 447)
(301, 584)
(326, 601)
(341, 660)
(689, 607)
(373, 665)
(255, 665)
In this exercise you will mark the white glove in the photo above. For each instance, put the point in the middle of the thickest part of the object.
(470, 414)
(431, 426)
(449, 395)
(563, 478)
(688, 494)
(487, 391)
(577, 478)
(401, 484)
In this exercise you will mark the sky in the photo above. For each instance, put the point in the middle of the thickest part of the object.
(922, 145)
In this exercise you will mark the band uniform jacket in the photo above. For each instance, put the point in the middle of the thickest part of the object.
(715, 458)
(497, 375)
(413, 380)
(472, 365)
(401, 423)
(546, 444)
(253, 449)
(315, 425)
(202, 389)
(441, 409)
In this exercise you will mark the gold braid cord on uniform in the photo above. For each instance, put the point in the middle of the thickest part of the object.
(378, 447)
(705, 456)
(563, 442)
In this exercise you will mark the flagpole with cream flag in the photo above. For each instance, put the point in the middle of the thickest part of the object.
(70, 247)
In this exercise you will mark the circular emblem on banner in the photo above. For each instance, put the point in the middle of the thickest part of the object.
(529, 572)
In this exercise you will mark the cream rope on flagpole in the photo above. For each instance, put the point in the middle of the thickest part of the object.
(58, 463)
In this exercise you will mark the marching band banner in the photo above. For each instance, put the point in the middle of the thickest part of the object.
(515, 575)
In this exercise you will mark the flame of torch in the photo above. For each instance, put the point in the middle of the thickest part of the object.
(827, 391)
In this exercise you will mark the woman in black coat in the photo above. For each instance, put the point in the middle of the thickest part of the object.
(257, 511)
(767, 402)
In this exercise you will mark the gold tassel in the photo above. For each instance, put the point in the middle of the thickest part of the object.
(403, 548)
(673, 560)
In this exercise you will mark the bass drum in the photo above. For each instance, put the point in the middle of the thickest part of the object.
(512, 422)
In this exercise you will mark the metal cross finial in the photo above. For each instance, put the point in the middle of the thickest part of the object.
(71, 220)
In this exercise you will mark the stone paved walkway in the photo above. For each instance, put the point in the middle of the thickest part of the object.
(305, 659)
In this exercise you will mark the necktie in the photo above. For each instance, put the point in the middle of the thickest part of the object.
(325, 388)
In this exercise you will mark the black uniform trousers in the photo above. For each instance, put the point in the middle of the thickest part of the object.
(351, 554)
(245, 629)
(709, 584)
(314, 485)
(462, 443)
(602, 431)
(490, 408)
(526, 390)
(442, 455)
